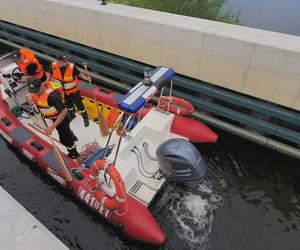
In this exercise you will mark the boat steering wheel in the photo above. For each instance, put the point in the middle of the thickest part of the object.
(17, 75)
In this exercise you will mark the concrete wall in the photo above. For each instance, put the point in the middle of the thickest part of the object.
(255, 62)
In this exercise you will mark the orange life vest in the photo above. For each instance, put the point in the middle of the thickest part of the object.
(70, 85)
(28, 59)
(42, 100)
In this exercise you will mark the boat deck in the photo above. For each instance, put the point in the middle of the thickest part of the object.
(85, 135)
(133, 162)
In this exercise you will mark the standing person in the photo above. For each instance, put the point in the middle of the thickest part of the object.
(29, 65)
(49, 98)
(68, 75)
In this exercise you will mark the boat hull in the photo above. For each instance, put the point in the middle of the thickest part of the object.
(137, 220)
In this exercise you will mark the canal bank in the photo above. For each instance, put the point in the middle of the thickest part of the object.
(20, 230)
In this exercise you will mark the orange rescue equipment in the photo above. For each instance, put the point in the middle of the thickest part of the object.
(70, 85)
(28, 58)
(116, 202)
(178, 105)
(113, 117)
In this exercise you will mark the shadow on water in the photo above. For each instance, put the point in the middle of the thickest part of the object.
(207, 9)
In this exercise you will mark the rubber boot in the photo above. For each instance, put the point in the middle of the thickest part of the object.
(85, 119)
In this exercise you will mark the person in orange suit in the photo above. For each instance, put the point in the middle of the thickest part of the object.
(29, 65)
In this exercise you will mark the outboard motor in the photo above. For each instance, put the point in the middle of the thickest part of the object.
(181, 162)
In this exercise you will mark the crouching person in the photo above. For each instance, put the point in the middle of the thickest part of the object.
(29, 65)
(49, 98)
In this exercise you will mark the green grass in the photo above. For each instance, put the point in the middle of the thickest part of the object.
(207, 9)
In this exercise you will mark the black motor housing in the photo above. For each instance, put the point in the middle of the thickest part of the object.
(181, 162)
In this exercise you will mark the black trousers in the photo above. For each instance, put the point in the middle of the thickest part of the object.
(65, 133)
(75, 99)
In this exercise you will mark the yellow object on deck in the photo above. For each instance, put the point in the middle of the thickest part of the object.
(106, 111)
(109, 113)
(91, 107)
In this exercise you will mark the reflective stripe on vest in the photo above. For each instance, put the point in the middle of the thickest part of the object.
(50, 112)
(69, 83)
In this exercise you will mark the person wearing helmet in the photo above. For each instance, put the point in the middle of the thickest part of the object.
(49, 98)
(66, 72)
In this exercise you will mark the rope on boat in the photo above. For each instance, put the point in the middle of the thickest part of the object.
(87, 151)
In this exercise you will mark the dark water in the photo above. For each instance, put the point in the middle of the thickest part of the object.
(274, 15)
(250, 199)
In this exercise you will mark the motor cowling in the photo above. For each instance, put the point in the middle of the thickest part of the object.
(181, 162)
